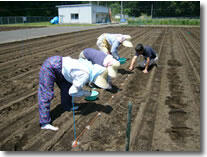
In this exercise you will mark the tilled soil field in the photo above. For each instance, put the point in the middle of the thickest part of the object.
(165, 102)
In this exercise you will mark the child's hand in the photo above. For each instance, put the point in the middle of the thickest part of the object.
(131, 68)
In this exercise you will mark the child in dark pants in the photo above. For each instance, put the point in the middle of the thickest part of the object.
(70, 75)
(149, 54)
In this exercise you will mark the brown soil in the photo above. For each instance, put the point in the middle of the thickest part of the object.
(166, 102)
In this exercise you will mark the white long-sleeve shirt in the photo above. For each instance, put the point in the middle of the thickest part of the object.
(78, 73)
(114, 40)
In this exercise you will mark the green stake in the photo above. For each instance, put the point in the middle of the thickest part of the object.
(128, 130)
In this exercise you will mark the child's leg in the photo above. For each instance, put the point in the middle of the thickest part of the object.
(141, 63)
(66, 99)
(153, 61)
(45, 95)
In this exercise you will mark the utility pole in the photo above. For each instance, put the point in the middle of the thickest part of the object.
(121, 9)
(151, 9)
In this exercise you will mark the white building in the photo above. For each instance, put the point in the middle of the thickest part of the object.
(83, 13)
(118, 16)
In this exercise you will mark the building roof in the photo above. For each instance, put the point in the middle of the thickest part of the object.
(77, 5)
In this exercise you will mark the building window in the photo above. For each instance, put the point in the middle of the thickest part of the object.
(74, 16)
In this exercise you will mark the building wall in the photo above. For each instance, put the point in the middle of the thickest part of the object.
(84, 14)
(100, 14)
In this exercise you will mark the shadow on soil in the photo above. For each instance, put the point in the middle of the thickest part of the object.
(114, 89)
(90, 107)
(84, 109)
(56, 112)
(149, 68)
(124, 72)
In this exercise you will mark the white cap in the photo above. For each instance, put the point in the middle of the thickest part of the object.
(112, 70)
(127, 37)
(101, 80)
(127, 43)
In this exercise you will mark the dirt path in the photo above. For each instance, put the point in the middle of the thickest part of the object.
(166, 102)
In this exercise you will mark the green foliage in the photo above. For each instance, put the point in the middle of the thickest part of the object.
(115, 9)
(172, 21)
(31, 8)
(131, 8)
(160, 8)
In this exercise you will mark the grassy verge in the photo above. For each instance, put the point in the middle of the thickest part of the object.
(43, 24)
(164, 22)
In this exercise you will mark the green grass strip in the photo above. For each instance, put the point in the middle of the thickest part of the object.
(173, 21)
(44, 24)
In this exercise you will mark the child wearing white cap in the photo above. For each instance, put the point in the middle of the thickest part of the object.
(70, 75)
(109, 43)
(103, 59)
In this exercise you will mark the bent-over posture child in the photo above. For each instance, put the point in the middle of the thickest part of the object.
(101, 58)
(70, 75)
(150, 57)
(109, 43)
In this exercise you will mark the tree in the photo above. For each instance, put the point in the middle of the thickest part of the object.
(115, 8)
(131, 8)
